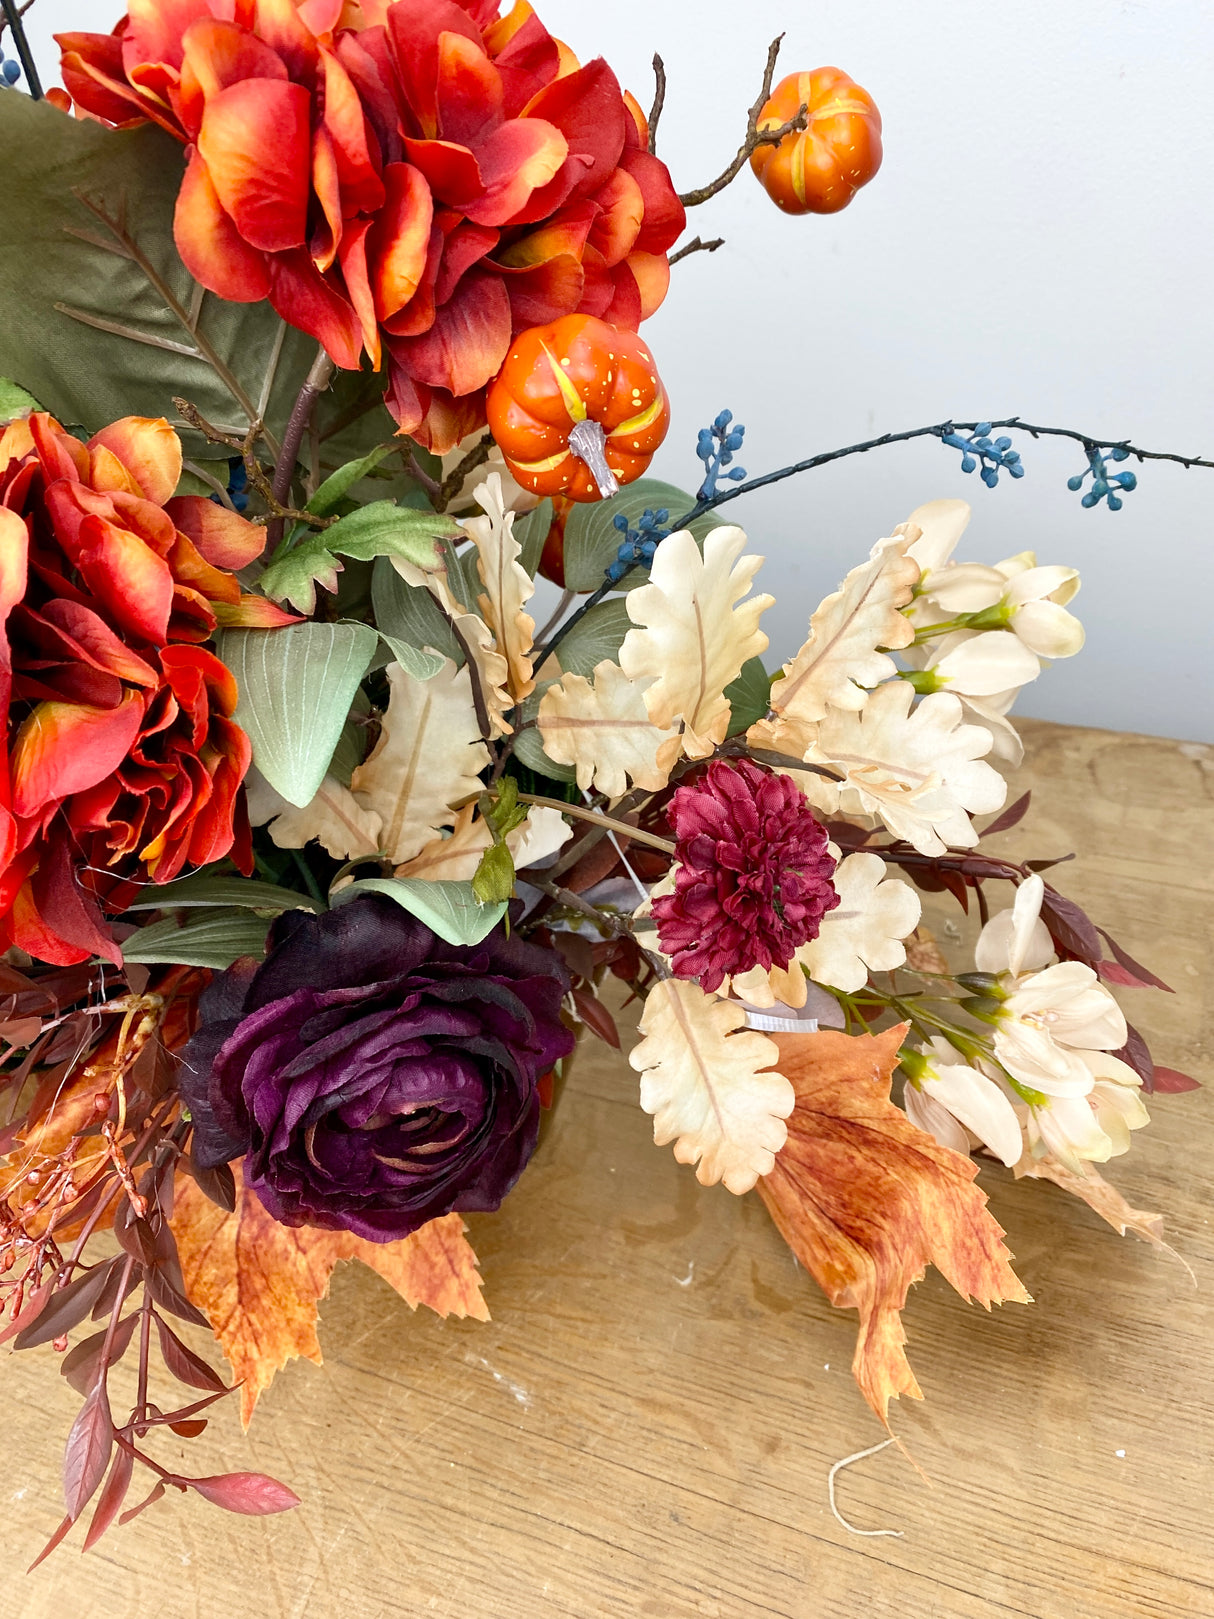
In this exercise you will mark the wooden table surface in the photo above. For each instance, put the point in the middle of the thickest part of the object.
(646, 1426)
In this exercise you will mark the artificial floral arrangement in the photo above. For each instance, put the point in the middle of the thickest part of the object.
(317, 855)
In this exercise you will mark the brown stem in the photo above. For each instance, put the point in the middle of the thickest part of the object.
(659, 100)
(697, 246)
(454, 481)
(606, 823)
(754, 136)
(615, 925)
(315, 384)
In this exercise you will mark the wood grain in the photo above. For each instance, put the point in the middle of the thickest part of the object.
(645, 1427)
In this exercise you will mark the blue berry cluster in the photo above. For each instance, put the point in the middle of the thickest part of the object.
(10, 71)
(639, 544)
(716, 446)
(993, 455)
(1105, 484)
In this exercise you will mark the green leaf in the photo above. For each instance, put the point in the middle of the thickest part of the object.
(382, 529)
(296, 686)
(451, 910)
(56, 255)
(212, 941)
(493, 880)
(205, 888)
(14, 402)
(592, 542)
(531, 531)
(351, 747)
(749, 696)
(421, 665)
(595, 637)
(338, 485)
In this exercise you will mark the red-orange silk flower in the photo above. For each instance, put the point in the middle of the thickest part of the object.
(123, 762)
(416, 180)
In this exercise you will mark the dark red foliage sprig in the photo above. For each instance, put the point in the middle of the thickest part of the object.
(94, 1136)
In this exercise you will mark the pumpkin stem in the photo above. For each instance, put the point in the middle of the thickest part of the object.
(588, 442)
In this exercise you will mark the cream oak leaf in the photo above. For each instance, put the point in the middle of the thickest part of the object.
(711, 1085)
(604, 731)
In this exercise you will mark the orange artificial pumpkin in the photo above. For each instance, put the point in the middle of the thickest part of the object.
(552, 558)
(819, 170)
(578, 408)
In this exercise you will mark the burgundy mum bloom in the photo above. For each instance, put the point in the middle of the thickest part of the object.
(752, 882)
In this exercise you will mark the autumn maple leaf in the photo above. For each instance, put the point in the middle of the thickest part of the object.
(259, 1283)
(866, 1201)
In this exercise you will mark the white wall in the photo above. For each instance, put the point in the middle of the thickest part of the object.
(1038, 242)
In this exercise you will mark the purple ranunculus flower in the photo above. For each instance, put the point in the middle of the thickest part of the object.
(372, 1076)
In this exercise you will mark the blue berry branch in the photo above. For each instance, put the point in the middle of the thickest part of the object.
(13, 14)
(717, 445)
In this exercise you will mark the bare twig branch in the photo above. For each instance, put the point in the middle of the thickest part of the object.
(696, 245)
(606, 823)
(454, 481)
(608, 922)
(659, 99)
(754, 136)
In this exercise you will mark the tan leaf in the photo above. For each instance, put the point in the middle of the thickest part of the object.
(334, 817)
(492, 670)
(1097, 1194)
(921, 771)
(866, 1201)
(605, 732)
(508, 586)
(924, 955)
(456, 858)
(426, 762)
(259, 1283)
(840, 660)
(692, 637)
(711, 1089)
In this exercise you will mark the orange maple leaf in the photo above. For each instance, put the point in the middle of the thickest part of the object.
(866, 1201)
(259, 1283)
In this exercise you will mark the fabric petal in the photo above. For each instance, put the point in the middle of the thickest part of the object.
(256, 142)
(211, 247)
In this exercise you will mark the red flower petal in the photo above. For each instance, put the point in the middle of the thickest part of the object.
(253, 613)
(665, 216)
(53, 920)
(223, 538)
(70, 630)
(468, 91)
(517, 160)
(211, 248)
(279, 23)
(127, 577)
(622, 209)
(544, 292)
(525, 54)
(588, 109)
(651, 272)
(353, 258)
(150, 451)
(215, 55)
(354, 143)
(63, 748)
(399, 239)
(302, 296)
(155, 30)
(469, 340)
(91, 68)
(414, 29)
(326, 237)
(255, 141)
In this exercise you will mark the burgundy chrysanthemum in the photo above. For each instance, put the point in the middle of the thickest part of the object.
(753, 879)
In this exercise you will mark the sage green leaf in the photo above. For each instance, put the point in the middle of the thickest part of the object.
(206, 888)
(14, 402)
(421, 665)
(296, 686)
(531, 531)
(102, 321)
(216, 940)
(592, 542)
(749, 696)
(595, 637)
(382, 529)
(493, 881)
(451, 910)
(338, 484)
(351, 747)
(410, 613)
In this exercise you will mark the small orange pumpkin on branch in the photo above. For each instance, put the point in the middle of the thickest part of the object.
(578, 408)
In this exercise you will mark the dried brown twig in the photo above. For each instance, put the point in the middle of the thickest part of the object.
(754, 136)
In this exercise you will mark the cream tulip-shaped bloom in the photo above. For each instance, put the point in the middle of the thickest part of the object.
(1033, 603)
(967, 1098)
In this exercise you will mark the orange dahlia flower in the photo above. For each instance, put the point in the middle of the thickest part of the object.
(414, 180)
(123, 762)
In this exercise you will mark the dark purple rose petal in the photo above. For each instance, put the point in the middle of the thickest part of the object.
(373, 1076)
